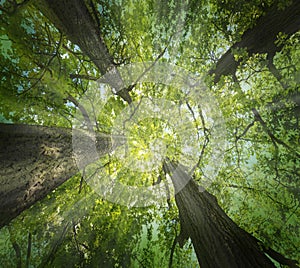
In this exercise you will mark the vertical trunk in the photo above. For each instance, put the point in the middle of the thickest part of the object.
(217, 240)
(34, 160)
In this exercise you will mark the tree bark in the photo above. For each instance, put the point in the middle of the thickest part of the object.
(261, 38)
(81, 27)
(34, 160)
(217, 240)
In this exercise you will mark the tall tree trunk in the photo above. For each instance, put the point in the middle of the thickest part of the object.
(261, 38)
(34, 160)
(79, 23)
(217, 240)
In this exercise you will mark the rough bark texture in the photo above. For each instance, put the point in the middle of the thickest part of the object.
(80, 25)
(217, 240)
(261, 38)
(34, 160)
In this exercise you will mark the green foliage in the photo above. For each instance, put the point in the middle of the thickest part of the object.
(258, 184)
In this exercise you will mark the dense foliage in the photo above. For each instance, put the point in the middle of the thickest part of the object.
(258, 184)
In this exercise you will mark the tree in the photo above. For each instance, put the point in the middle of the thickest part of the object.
(261, 38)
(34, 161)
(83, 28)
(217, 240)
(261, 155)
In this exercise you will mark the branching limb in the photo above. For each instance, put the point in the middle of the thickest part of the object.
(245, 131)
(274, 139)
(46, 67)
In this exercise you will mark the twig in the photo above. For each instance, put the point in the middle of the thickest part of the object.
(28, 250)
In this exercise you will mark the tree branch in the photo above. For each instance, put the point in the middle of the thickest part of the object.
(261, 38)
(16, 248)
(280, 258)
(78, 23)
(274, 139)
(82, 110)
(172, 251)
(272, 68)
(245, 131)
(28, 250)
(57, 243)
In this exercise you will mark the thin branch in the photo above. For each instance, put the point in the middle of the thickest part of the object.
(148, 68)
(158, 181)
(16, 248)
(81, 254)
(57, 243)
(45, 67)
(97, 169)
(248, 188)
(194, 118)
(168, 194)
(133, 112)
(280, 258)
(206, 141)
(82, 110)
(172, 251)
(245, 131)
(18, 254)
(274, 139)
(28, 250)
(76, 54)
(81, 182)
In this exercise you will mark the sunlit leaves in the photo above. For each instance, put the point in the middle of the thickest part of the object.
(258, 184)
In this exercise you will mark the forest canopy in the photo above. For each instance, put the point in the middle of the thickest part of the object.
(149, 133)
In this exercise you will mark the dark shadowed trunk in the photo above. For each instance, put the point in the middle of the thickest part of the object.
(261, 38)
(34, 160)
(217, 240)
(79, 23)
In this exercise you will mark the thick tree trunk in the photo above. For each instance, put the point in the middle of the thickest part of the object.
(34, 160)
(80, 25)
(217, 240)
(261, 38)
